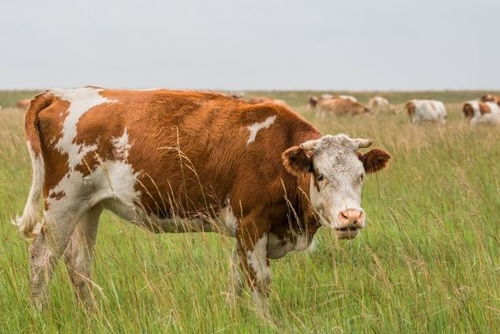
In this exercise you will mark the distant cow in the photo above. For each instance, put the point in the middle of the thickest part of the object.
(426, 110)
(181, 161)
(478, 112)
(23, 104)
(341, 107)
(313, 101)
(379, 103)
(255, 100)
(490, 98)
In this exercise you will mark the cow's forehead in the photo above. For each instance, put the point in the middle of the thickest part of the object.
(335, 153)
(337, 144)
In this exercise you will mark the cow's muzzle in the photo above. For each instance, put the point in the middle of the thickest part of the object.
(351, 221)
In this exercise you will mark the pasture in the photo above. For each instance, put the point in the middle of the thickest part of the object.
(428, 261)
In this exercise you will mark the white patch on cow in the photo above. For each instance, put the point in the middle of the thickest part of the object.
(257, 260)
(112, 181)
(81, 100)
(256, 127)
(28, 221)
(121, 146)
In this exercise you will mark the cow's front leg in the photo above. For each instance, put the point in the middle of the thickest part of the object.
(252, 250)
(236, 279)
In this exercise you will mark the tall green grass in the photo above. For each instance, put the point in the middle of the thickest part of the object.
(429, 260)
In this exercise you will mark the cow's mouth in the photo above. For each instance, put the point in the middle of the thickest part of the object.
(347, 232)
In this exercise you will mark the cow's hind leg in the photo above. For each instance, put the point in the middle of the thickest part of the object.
(78, 256)
(46, 250)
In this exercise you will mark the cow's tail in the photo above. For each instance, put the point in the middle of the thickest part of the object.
(28, 224)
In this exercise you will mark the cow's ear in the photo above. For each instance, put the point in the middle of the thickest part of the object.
(374, 160)
(297, 160)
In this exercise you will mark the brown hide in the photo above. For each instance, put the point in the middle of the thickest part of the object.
(189, 148)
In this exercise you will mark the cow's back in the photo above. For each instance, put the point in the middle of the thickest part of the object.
(186, 152)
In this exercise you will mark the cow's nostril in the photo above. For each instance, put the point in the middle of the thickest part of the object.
(351, 216)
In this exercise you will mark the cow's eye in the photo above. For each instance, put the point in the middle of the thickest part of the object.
(361, 177)
(319, 177)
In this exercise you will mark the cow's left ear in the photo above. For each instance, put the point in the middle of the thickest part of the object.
(374, 160)
(297, 160)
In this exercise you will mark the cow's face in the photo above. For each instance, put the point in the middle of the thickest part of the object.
(468, 111)
(337, 170)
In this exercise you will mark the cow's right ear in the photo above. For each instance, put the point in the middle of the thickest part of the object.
(297, 160)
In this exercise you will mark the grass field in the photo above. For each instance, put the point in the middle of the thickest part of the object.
(428, 262)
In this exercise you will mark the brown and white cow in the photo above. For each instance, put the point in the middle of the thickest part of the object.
(312, 101)
(490, 98)
(478, 112)
(426, 111)
(378, 104)
(341, 107)
(182, 161)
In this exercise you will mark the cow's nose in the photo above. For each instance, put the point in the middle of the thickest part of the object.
(351, 217)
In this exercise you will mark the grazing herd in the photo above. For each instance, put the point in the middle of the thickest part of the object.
(484, 110)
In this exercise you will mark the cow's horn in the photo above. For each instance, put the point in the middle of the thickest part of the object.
(309, 145)
(362, 143)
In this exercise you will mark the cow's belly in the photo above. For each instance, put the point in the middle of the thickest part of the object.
(224, 223)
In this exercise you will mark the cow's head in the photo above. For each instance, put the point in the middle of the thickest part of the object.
(487, 98)
(468, 111)
(312, 102)
(337, 170)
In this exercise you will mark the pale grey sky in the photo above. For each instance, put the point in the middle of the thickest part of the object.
(237, 44)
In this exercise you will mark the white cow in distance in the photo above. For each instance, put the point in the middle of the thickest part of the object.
(378, 103)
(426, 110)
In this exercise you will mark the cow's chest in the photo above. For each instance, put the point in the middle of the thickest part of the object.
(280, 244)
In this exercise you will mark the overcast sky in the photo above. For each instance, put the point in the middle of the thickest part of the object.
(237, 44)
